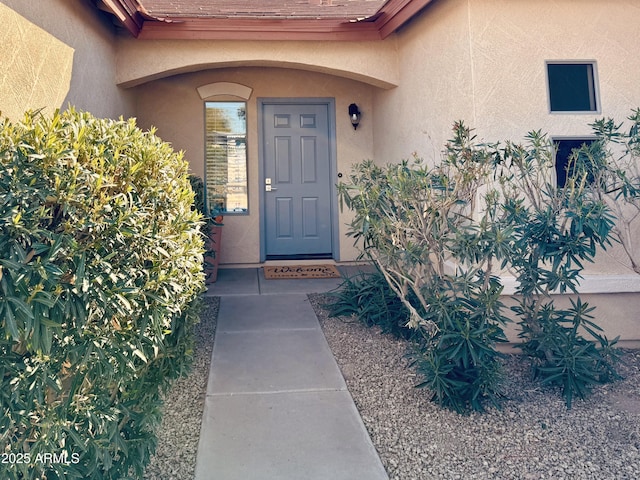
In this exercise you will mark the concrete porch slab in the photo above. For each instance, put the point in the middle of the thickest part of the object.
(289, 436)
(251, 281)
(235, 281)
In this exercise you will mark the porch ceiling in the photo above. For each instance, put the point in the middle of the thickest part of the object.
(262, 20)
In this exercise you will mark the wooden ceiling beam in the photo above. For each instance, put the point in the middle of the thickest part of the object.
(127, 13)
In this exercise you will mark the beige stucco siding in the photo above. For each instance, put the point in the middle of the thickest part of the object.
(435, 89)
(478, 61)
(174, 106)
(57, 53)
(140, 61)
(483, 61)
(510, 42)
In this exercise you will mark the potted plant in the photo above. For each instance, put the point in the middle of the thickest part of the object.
(212, 230)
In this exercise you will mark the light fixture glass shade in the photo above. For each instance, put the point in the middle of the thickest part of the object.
(354, 115)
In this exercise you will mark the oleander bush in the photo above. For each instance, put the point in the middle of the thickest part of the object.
(441, 233)
(367, 297)
(416, 223)
(612, 163)
(100, 276)
(556, 231)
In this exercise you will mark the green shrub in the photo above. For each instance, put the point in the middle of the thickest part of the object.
(416, 224)
(460, 364)
(100, 275)
(555, 231)
(562, 356)
(612, 163)
(368, 297)
(439, 233)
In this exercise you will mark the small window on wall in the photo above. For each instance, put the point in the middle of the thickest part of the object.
(564, 149)
(572, 87)
(226, 157)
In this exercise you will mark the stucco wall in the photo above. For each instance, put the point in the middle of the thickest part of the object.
(435, 89)
(511, 41)
(509, 77)
(141, 61)
(615, 313)
(56, 53)
(175, 108)
(483, 61)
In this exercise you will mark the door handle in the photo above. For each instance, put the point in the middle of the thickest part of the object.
(269, 188)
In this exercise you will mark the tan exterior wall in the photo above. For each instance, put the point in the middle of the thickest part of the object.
(479, 61)
(57, 53)
(615, 313)
(174, 106)
(508, 58)
(140, 61)
(510, 42)
(436, 85)
(483, 61)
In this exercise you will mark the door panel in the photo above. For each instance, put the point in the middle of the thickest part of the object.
(297, 180)
(284, 218)
(310, 219)
(282, 155)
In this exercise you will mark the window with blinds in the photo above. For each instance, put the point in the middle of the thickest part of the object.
(226, 157)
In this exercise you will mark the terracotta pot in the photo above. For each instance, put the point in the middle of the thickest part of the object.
(212, 253)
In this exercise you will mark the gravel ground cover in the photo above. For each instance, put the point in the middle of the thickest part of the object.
(175, 457)
(533, 436)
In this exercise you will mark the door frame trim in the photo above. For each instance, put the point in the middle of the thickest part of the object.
(330, 102)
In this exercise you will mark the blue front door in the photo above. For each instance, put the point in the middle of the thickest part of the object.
(297, 180)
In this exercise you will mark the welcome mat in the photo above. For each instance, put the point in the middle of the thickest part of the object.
(300, 271)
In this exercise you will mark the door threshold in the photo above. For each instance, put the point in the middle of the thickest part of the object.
(319, 256)
(299, 259)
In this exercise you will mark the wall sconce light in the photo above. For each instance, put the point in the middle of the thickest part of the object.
(354, 115)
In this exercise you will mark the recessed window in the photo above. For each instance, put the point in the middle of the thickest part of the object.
(226, 157)
(564, 149)
(572, 87)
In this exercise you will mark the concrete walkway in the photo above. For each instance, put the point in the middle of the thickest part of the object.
(277, 407)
